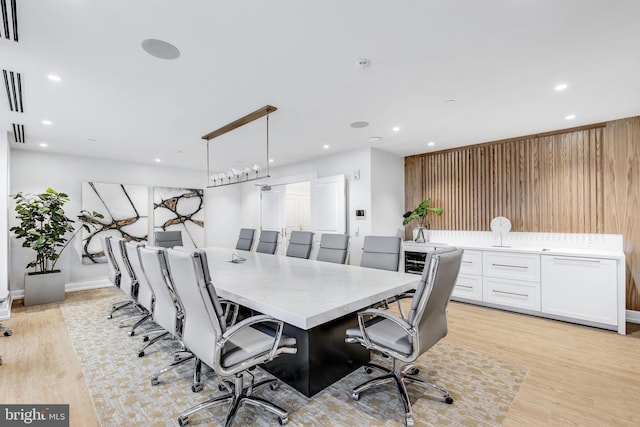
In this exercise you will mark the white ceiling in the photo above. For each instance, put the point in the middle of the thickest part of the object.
(499, 59)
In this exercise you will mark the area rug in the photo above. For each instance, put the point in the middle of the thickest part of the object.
(120, 384)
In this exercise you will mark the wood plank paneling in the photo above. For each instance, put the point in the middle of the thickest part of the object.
(581, 180)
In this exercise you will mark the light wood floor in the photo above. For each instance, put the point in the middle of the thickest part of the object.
(578, 376)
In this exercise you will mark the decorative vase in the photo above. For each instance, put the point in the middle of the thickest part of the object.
(420, 235)
(43, 288)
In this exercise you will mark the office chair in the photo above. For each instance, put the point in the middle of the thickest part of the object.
(245, 239)
(128, 281)
(168, 239)
(4, 295)
(268, 242)
(113, 273)
(382, 252)
(405, 340)
(168, 312)
(145, 297)
(333, 248)
(231, 351)
(300, 243)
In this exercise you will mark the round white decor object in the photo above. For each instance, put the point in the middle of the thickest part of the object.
(500, 224)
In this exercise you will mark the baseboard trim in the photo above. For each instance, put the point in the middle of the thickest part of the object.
(71, 287)
(633, 316)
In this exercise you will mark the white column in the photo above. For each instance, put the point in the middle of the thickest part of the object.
(4, 220)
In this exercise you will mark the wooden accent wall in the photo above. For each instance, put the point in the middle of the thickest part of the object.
(569, 181)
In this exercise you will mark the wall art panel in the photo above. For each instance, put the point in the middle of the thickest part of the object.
(180, 209)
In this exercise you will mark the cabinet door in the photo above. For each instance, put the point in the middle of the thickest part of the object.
(580, 288)
(512, 293)
(468, 287)
(471, 262)
(510, 265)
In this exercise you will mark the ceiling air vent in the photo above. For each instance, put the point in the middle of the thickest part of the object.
(9, 20)
(18, 133)
(13, 84)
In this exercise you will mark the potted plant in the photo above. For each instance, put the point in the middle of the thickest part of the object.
(420, 214)
(44, 228)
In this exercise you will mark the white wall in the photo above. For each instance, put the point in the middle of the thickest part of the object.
(381, 178)
(4, 218)
(35, 171)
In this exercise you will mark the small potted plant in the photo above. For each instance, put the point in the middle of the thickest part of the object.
(420, 214)
(44, 228)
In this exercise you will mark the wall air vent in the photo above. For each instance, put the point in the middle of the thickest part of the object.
(9, 20)
(18, 133)
(13, 85)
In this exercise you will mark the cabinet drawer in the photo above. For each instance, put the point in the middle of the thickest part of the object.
(511, 265)
(512, 293)
(471, 262)
(468, 287)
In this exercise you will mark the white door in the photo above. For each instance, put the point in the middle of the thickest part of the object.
(272, 209)
(328, 205)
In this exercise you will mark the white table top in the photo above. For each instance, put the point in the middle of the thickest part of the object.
(303, 293)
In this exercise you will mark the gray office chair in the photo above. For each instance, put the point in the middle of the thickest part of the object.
(231, 351)
(333, 248)
(405, 340)
(168, 239)
(128, 281)
(382, 252)
(168, 312)
(144, 297)
(300, 243)
(268, 242)
(114, 274)
(4, 295)
(245, 239)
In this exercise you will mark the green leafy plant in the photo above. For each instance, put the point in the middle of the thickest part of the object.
(44, 226)
(420, 213)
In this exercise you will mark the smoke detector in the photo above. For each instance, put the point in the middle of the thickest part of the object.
(363, 63)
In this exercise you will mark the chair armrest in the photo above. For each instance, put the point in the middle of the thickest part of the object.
(246, 323)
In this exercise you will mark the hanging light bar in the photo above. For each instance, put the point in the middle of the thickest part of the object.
(234, 176)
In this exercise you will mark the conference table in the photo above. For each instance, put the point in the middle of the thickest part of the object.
(317, 301)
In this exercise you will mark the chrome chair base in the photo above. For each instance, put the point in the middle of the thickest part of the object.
(239, 394)
(178, 360)
(119, 306)
(407, 374)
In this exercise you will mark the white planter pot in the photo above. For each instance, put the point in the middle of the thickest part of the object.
(43, 288)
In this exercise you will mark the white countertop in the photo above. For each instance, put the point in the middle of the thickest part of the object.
(303, 293)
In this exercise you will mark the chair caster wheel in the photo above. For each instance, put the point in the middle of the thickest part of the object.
(448, 400)
(283, 420)
(368, 370)
(155, 381)
(140, 353)
(409, 421)
(109, 316)
(356, 396)
(8, 333)
(196, 388)
(145, 338)
(274, 386)
(183, 421)
(131, 333)
(415, 371)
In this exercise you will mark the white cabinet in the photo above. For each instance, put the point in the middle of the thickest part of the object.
(512, 265)
(580, 288)
(511, 293)
(469, 283)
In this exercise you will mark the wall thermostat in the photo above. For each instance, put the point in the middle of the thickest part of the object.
(360, 213)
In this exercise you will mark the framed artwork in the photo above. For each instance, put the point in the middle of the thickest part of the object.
(180, 209)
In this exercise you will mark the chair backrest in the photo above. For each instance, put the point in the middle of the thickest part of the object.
(168, 239)
(113, 273)
(245, 239)
(127, 279)
(429, 304)
(145, 295)
(167, 305)
(382, 252)
(333, 248)
(203, 314)
(300, 243)
(268, 242)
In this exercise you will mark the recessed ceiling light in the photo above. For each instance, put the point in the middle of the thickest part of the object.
(570, 117)
(561, 86)
(160, 49)
(270, 160)
(450, 101)
(158, 160)
(46, 122)
(431, 143)
(396, 129)
(92, 140)
(44, 144)
(325, 146)
(374, 139)
(358, 125)
(54, 77)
